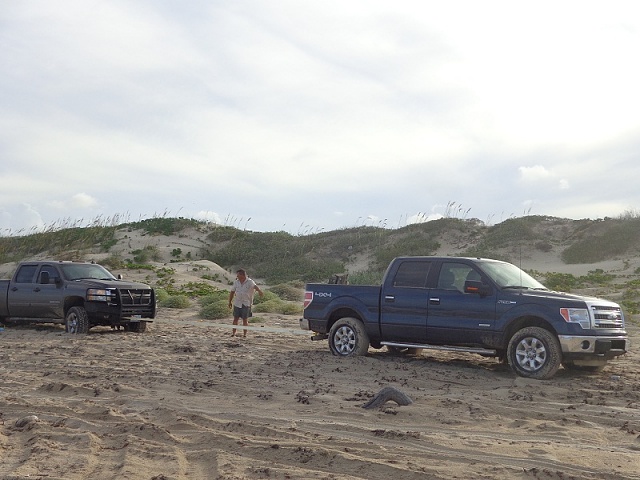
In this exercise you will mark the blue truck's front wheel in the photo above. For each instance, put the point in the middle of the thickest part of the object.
(348, 337)
(534, 352)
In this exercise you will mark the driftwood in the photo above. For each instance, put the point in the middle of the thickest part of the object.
(386, 394)
(339, 279)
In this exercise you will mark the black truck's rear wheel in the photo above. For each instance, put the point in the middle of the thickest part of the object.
(348, 338)
(76, 321)
(534, 352)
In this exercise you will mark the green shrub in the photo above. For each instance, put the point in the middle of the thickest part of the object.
(217, 296)
(113, 262)
(369, 277)
(175, 301)
(150, 252)
(287, 291)
(161, 294)
(215, 310)
(268, 296)
(289, 308)
(277, 305)
(562, 282)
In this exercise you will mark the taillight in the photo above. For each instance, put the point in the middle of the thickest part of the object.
(308, 298)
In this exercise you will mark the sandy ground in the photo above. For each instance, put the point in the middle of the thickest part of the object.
(185, 400)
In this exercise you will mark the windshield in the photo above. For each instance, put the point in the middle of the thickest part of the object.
(76, 271)
(508, 275)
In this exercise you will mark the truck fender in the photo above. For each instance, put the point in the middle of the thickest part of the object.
(525, 315)
(348, 306)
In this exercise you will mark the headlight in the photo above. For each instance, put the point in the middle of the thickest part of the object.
(576, 315)
(100, 295)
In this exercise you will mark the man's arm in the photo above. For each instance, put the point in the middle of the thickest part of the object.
(231, 295)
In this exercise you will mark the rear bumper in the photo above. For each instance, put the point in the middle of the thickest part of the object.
(606, 346)
(318, 326)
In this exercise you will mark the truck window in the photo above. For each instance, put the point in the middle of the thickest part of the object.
(412, 274)
(79, 271)
(26, 273)
(453, 275)
(53, 273)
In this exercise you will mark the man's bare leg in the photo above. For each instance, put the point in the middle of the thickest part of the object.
(235, 322)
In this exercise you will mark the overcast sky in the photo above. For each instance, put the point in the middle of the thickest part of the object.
(313, 116)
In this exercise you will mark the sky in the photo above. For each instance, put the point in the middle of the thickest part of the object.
(297, 116)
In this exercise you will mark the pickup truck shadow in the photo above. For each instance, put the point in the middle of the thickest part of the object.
(57, 328)
(466, 361)
(444, 359)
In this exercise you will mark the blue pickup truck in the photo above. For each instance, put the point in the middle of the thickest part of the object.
(475, 305)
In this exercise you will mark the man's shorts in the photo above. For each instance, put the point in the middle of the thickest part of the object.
(243, 312)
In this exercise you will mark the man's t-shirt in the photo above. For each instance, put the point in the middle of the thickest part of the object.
(244, 292)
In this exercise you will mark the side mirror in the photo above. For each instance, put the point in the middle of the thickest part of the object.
(44, 278)
(479, 288)
(120, 277)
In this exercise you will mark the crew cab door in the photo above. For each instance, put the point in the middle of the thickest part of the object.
(20, 294)
(456, 317)
(47, 293)
(404, 302)
(28, 297)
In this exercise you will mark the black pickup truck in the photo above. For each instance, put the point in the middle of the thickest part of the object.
(80, 295)
(475, 305)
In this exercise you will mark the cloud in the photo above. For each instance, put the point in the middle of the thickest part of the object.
(80, 201)
(208, 216)
(535, 173)
(287, 114)
(20, 220)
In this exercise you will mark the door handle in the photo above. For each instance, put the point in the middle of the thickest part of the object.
(37, 289)
(434, 301)
(389, 298)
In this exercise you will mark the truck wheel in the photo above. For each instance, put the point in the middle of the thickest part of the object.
(348, 338)
(76, 321)
(136, 327)
(534, 352)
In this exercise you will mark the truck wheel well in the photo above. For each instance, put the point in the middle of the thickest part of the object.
(341, 313)
(523, 322)
(72, 302)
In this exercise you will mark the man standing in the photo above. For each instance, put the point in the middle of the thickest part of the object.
(241, 298)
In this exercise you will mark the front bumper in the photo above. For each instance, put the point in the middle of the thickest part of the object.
(608, 346)
(115, 313)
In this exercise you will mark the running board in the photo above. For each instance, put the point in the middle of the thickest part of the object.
(481, 351)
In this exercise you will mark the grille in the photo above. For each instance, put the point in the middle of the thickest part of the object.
(607, 317)
(130, 297)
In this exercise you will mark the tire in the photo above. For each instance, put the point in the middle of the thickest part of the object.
(534, 352)
(348, 338)
(76, 322)
(137, 327)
